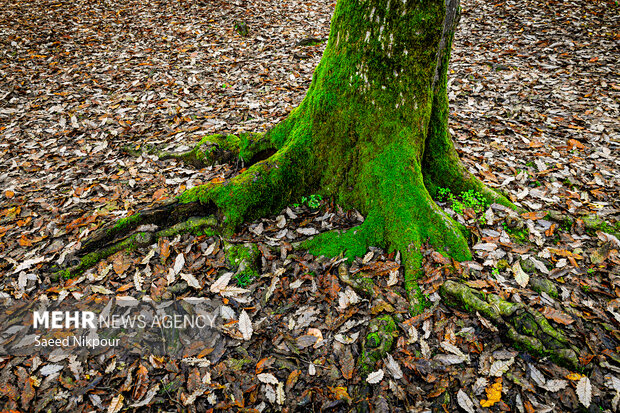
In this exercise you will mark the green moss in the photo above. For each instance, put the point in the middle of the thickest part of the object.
(595, 223)
(237, 364)
(526, 328)
(378, 342)
(541, 285)
(138, 240)
(244, 259)
(518, 235)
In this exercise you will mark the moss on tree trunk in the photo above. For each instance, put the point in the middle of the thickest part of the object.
(372, 133)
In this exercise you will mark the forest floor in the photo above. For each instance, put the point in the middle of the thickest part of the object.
(534, 91)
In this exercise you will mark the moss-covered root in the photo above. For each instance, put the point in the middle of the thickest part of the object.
(525, 327)
(197, 225)
(263, 189)
(260, 190)
(381, 333)
(166, 214)
(349, 243)
(248, 148)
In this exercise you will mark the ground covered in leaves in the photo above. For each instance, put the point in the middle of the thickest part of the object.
(534, 93)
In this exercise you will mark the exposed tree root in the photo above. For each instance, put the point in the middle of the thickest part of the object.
(247, 148)
(136, 240)
(378, 342)
(526, 328)
(167, 214)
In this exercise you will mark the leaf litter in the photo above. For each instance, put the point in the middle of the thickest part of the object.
(534, 112)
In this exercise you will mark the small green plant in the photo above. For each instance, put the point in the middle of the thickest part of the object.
(313, 201)
(244, 279)
(468, 199)
(495, 271)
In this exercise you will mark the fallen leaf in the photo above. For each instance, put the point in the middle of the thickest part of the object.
(557, 316)
(521, 277)
(393, 367)
(191, 280)
(500, 367)
(245, 325)
(142, 382)
(116, 404)
(584, 391)
(465, 401)
(221, 283)
(267, 378)
(494, 394)
(292, 379)
(347, 363)
(375, 377)
(179, 262)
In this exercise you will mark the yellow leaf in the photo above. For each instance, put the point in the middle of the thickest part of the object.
(494, 394)
(574, 376)
(340, 393)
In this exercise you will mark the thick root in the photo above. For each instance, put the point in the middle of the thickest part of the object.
(525, 327)
(204, 225)
(167, 214)
(247, 148)
(351, 243)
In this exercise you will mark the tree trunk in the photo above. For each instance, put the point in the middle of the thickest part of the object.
(372, 133)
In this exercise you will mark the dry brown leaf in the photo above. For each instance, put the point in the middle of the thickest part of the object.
(557, 316)
(116, 404)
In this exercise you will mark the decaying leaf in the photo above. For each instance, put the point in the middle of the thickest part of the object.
(267, 378)
(221, 283)
(191, 280)
(584, 391)
(393, 367)
(465, 402)
(557, 316)
(521, 277)
(116, 404)
(555, 385)
(245, 325)
(500, 367)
